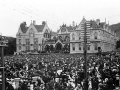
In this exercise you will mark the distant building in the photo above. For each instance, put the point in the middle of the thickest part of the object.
(32, 38)
(67, 38)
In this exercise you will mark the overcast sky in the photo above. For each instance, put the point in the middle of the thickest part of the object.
(55, 12)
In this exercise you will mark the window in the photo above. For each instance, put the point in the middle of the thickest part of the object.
(73, 36)
(19, 40)
(35, 40)
(60, 37)
(19, 35)
(79, 36)
(27, 48)
(35, 48)
(95, 46)
(66, 38)
(88, 47)
(79, 47)
(63, 30)
(95, 35)
(31, 33)
(45, 35)
(19, 47)
(27, 41)
(73, 47)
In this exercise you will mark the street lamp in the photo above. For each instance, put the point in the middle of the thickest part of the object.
(3, 43)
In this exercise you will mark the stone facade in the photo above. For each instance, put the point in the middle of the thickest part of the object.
(98, 35)
(32, 38)
(67, 38)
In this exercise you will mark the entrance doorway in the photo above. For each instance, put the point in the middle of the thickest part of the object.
(58, 47)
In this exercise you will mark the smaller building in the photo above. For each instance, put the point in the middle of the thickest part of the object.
(99, 35)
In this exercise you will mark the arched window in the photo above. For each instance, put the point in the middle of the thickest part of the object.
(73, 36)
(31, 33)
(95, 35)
(95, 46)
(66, 38)
(60, 38)
(79, 36)
(63, 30)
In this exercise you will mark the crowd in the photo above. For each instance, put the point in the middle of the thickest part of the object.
(62, 72)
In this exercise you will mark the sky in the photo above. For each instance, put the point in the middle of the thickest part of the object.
(55, 12)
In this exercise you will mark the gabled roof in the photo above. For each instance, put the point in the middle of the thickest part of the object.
(93, 24)
(69, 28)
(39, 27)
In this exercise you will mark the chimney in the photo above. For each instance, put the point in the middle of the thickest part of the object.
(43, 23)
(73, 24)
(34, 22)
(98, 21)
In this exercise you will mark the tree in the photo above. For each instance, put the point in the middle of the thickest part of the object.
(66, 48)
(51, 48)
(47, 48)
(118, 44)
(11, 47)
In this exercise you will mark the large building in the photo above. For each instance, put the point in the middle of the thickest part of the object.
(67, 38)
(32, 38)
(98, 35)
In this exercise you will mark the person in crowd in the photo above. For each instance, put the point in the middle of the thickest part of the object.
(103, 71)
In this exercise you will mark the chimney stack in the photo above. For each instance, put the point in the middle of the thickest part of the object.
(34, 22)
(98, 21)
(73, 24)
(43, 23)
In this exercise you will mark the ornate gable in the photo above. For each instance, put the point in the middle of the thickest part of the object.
(81, 25)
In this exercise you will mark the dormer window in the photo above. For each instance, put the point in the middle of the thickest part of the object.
(31, 33)
(63, 30)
